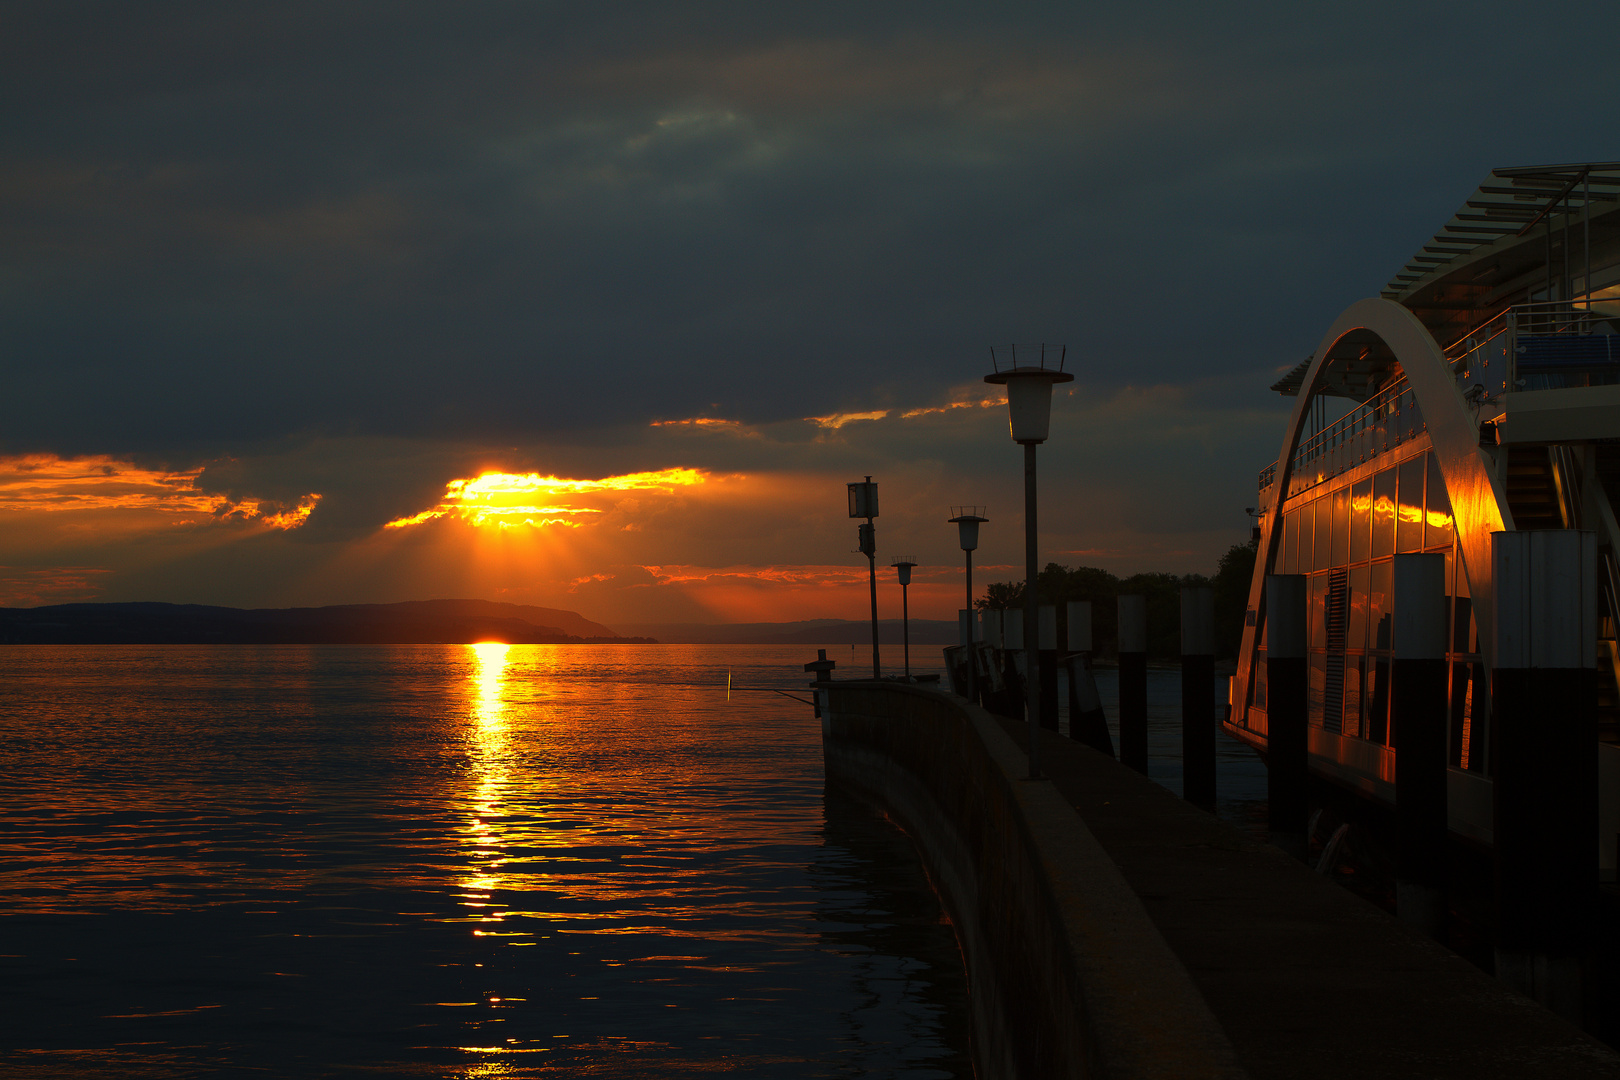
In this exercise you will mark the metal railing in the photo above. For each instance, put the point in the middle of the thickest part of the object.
(1538, 346)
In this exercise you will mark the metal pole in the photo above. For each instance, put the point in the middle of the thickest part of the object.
(871, 574)
(969, 554)
(1198, 696)
(905, 628)
(1133, 750)
(1288, 755)
(1032, 678)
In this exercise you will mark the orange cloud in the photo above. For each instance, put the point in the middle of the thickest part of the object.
(508, 499)
(45, 482)
(838, 420)
(699, 422)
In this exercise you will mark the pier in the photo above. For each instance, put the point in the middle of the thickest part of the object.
(1111, 929)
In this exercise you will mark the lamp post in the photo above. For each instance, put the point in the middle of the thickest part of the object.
(863, 503)
(904, 563)
(967, 520)
(1029, 407)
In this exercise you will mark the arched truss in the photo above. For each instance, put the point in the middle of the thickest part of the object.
(1477, 499)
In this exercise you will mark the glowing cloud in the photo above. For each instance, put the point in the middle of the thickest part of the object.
(838, 420)
(699, 422)
(508, 499)
(45, 482)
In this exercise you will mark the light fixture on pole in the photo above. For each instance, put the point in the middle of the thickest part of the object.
(1029, 407)
(863, 503)
(904, 563)
(967, 520)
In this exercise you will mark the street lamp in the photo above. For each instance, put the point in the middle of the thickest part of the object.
(863, 503)
(904, 563)
(967, 520)
(1029, 406)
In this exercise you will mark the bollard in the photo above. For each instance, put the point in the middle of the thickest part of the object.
(1417, 687)
(1288, 755)
(1543, 742)
(1087, 723)
(1133, 682)
(1046, 634)
(1198, 695)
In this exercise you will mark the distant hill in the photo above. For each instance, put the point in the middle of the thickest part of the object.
(806, 632)
(413, 622)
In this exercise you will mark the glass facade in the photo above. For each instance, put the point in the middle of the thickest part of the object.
(1343, 538)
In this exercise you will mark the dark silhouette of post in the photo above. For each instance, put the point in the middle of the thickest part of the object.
(1417, 687)
(1198, 695)
(1049, 666)
(1133, 682)
(903, 564)
(1288, 754)
(1087, 723)
(863, 502)
(1543, 750)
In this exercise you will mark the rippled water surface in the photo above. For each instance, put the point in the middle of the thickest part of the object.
(477, 861)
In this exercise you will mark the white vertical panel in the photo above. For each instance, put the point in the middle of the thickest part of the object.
(1420, 607)
(1133, 624)
(1285, 616)
(1546, 604)
(1197, 621)
(1079, 625)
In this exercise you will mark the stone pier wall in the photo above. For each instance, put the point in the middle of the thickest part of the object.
(1068, 975)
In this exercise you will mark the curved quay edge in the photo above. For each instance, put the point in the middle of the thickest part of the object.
(1068, 975)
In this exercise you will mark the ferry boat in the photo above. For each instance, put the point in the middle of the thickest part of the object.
(1479, 392)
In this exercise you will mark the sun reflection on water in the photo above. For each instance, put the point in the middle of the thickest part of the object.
(488, 746)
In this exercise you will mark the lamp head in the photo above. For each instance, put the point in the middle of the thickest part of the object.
(1029, 387)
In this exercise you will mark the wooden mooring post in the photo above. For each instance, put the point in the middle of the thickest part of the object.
(1047, 655)
(1544, 753)
(1288, 753)
(1417, 687)
(1087, 723)
(1133, 749)
(1198, 695)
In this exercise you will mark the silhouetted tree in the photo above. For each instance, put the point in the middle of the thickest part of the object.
(1232, 597)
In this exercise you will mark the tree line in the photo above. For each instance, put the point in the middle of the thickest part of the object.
(1060, 584)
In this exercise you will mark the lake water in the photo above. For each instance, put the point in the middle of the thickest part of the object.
(450, 861)
(464, 861)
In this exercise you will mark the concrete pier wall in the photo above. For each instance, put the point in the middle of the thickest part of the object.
(1069, 976)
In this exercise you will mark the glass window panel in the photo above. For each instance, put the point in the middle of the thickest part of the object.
(1383, 514)
(1361, 521)
(1288, 558)
(1341, 526)
(1352, 696)
(1474, 741)
(1356, 633)
(1379, 621)
(1323, 515)
(1437, 529)
(1318, 687)
(1409, 512)
(1260, 682)
(1377, 696)
(1459, 715)
(1317, 615)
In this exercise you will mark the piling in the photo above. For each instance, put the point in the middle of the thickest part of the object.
(1544, 750)
(1287, 715)
(1198, 695)
(1046, 631)
(1087, 723)
(1014, 664)
(1417, 681)
(1133, 682)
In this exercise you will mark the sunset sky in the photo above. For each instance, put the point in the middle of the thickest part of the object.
(599, 306)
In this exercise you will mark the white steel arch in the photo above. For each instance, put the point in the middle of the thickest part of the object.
(1478, 502)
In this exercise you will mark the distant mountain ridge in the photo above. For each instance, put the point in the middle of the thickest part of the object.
(411, 622)
(803, 632)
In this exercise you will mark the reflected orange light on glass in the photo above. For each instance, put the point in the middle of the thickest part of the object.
(508, 499)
